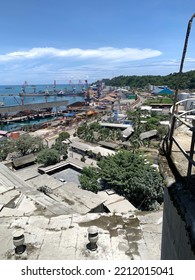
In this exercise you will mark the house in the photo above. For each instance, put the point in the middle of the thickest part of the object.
(148, 134)
(23, 161)
(108, 99)
(127, 132)
(108, 145)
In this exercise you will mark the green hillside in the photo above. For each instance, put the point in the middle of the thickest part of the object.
(187, 81)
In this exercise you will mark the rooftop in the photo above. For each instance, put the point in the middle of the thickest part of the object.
(148, 134)
(27, 159)
(128, 131)
(121, 237)
(56, 224)
(94, 148)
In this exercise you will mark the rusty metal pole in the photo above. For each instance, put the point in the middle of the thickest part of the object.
(174, 109)
(191, 151)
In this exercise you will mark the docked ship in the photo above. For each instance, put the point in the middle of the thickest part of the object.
(39, 93)
(53, 92)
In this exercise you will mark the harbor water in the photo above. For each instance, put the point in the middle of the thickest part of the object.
(9, 96)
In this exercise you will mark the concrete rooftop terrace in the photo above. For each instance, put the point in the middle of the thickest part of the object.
(56, 227)
(65, 198)
(122, 237)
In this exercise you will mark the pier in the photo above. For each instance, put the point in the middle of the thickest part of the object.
(31, 106)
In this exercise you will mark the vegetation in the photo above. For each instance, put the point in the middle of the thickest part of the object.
(6, 147)
(126, 173)
(187, 81)
(48, 156)
(60, 146)
(159, 100)
(151, 122)
(89, 179)
(51, 156)
(94, 132)
(63, 136)
(27, 144)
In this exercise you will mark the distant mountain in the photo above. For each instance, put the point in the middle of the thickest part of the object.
(187, 81)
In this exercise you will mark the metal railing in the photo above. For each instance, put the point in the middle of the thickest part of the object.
(186, 118)
(177, 118)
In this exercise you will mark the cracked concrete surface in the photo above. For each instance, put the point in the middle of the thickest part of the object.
(123, 237)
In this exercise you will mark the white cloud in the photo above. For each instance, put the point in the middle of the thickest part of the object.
(105, 53)
(190, 59)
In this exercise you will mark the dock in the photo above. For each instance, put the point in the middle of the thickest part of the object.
(31, 106)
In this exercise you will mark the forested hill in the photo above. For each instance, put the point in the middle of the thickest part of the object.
(187, 82)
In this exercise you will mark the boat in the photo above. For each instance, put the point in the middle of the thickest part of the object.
(53, 93)
(70, 93)
(40, 93)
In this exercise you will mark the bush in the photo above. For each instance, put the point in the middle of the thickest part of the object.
(127, 174)
(27, 144)
(88, 179)
(48, 157)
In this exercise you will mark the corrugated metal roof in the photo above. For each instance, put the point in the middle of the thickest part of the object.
(128, 131)
(81, 146)
(148, 134)
(23, 160)
(108, 144)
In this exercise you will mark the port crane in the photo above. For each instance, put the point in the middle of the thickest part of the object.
(25, 84)
(72, 85)
(87, 95)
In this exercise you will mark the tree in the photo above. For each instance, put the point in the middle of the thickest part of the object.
(27, 144)
(83, 159)
(94, 132)
(63, 136)
(48, 156)
(6, 147)
(187, 80)
(82, 129)
(88, 179)
(127, 174)
(136, 143)
(60, 146)
(95, 126)
(90, 154)
(162, 131)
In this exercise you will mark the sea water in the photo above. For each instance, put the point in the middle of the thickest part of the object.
(9, 95)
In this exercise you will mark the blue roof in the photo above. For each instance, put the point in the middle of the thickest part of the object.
(166, 91)
(161, 90)
(69, 114)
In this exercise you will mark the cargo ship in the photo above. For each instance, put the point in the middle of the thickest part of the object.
(53, 92)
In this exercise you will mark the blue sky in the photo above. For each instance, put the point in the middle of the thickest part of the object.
(47, 40)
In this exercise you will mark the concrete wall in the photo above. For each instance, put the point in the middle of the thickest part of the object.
(175, 239)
